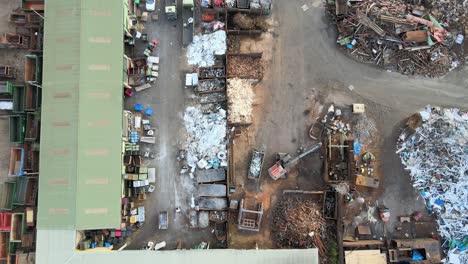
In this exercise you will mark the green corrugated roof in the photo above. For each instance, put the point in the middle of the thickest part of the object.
(80, 162)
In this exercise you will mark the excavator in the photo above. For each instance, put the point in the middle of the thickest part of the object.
(285, 162)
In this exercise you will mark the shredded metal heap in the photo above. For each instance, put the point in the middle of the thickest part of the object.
(206, 137)
(436, 155)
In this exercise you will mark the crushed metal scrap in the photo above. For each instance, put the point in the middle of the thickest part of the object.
(410, 38)
(433, 147)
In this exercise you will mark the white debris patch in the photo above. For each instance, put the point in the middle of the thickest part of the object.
(206, 138)
(437, 157)
(203, 49)
(240, 99)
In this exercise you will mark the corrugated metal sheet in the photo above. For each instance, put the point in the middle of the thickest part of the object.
(56, 247)
(80, 159)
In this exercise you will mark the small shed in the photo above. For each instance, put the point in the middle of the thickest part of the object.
(373, 256)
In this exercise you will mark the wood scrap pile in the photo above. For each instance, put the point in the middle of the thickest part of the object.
(245, 67)
(233, 44)
(240, 99)
(243, 21)
(298, 223)
(246, 22)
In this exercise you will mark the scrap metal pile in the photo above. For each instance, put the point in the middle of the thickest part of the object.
(206, 138)
(240, 99)
(211, 72)
(436, 154)
(211, 85)
(298, 223)
(255, 167)
(203, 49)
(405, 36)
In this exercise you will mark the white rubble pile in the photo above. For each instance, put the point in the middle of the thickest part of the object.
(206, 138)
(240, 99)
(203, 48)
(230, 3)
(437, 158)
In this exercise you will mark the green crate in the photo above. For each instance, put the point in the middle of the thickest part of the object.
(18, 98)
(7, 195)
(6, 88)
(32, 126)
(17, 128)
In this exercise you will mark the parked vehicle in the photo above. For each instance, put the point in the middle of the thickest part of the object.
(150, 5)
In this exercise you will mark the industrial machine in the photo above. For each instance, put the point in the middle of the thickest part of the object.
(285, 162)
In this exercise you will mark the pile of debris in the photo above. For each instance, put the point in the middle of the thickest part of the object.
(298, 223)
(233, 44)
(412, 39)
(364, 129)
(203, 48)
(240, 99)
(256, 163)
(244, 66)
(333, 122)
(211, 85)
(436, 154)
(246, 22)
(211, 72)
(206, 138)
(243, 21)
